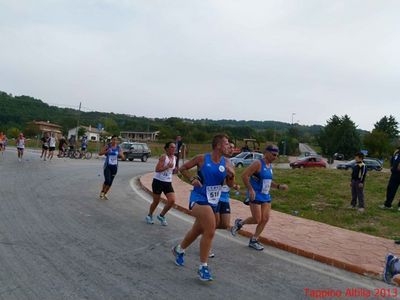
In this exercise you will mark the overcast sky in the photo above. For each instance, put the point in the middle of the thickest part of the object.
(233, 59)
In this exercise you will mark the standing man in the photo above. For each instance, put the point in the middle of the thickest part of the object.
(394, 180)
(178, 145)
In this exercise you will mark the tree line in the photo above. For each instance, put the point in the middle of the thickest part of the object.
(340, 134)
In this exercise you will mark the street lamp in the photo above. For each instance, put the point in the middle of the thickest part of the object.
(293, 114)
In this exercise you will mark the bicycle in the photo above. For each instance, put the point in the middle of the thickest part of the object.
(82, 154)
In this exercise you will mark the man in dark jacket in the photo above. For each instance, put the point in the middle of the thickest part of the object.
(394, 180)
(357, 182)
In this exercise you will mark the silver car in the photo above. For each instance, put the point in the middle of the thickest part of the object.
(245, 159)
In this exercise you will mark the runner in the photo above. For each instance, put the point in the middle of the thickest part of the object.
(20, 142)
(2, 143)
(212, 171)
(52, 146)
(162, 183)
(223, 211)
(45, 145)
(112, 151)
(258, 180)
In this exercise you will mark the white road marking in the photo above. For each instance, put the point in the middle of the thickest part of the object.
(270, 251)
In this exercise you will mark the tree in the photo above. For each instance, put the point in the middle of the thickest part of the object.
(13, 132)
(389, 126)
(81, 131)
(339, 135)
(377, 143)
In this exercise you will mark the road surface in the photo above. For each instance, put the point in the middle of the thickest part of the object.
(59, 241)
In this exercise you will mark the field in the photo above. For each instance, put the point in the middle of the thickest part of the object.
(324, 194)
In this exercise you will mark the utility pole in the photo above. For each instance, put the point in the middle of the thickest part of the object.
(77, 126)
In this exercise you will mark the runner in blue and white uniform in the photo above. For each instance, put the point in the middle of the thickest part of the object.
(223, 212)
(20, 142)
(112, 151)
(162, 183)
(207, 185)
(258, 180)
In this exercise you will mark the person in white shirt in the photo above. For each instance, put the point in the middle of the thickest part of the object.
(52, 146)
(162, 183)
(20, 146)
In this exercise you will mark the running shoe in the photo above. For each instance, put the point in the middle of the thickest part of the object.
(388, 271)
(383, 206)
(179, 257)
(162, 220)
(204, 274)
(256, 245)
(105, 197)
(149, 219)
(236, 227)
(101, 195)
(211, 254)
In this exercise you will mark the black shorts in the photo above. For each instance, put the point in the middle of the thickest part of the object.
(159, 187)
(45, 147)
(223, 208)
(52, 148)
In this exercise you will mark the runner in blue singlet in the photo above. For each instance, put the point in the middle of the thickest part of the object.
(258, 180)
(207, 186)
(112, 151)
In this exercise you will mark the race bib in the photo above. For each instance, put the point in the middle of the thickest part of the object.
(112, 160)
(266, 186)
(213, 194)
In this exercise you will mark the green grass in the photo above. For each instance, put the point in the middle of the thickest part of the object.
(324, 194)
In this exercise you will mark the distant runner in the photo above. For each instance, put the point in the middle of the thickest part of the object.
(112, 151)
(45, 145)
(20, 142)
(52, 146)
(2, 143)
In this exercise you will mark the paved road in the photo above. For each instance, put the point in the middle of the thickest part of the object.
(59, 241)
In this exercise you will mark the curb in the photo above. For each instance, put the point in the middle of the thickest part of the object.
(295, 250)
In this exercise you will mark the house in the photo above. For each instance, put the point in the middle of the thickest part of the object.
(51, 128)
(92, 133)
(139, 135)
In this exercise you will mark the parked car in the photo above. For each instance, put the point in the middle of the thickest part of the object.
(371, 164)
(309, 162)
(338, 156)
(134, 150)
(245, 159)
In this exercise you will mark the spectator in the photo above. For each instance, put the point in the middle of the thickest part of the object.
(357, 182)
(394, 180)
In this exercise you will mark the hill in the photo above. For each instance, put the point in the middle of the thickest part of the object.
(17, 111)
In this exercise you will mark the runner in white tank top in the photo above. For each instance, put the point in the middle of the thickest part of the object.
(162, 183)
(20, 146)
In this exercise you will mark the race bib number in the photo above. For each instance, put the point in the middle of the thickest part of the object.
(213, 194)
(112, 160)
(266, 186)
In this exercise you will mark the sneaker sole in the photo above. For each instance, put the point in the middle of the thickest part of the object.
(257, 249)
(205, 280)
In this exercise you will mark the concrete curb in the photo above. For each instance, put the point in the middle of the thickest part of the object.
(296, 250)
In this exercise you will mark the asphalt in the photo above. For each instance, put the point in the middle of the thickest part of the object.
(349, 250)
